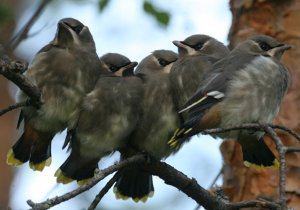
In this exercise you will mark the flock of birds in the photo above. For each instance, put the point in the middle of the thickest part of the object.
(108, 106)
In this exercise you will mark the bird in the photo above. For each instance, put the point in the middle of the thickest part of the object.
(64, 70)
(108, 114)
(247, 86)
(117, 64)
(196, 55)
(159, 117)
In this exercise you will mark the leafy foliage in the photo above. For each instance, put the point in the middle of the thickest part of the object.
(162, 17)
(6, 13)
(102, 4)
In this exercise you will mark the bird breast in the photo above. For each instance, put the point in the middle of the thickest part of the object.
(255, 93)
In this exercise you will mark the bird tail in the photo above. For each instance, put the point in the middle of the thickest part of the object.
(134, 183)
(76, 168)
(33, 146)
(257, 154)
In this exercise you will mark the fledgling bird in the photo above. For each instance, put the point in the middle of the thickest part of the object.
(64, 70)
(245, 87)
(108, 115)
(158, 119)
(117, 64)
(196, 55)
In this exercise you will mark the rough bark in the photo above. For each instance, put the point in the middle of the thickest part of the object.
(8, 11)
(280, 19)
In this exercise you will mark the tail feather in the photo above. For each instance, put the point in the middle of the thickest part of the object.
(76, 168)
(20, 119)
(20, 152)
(134, 183)
(33, 146)
(257, 154)
(40, 155)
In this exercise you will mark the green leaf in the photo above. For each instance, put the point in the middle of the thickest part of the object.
(162, 17)
(148, 8)
(6, 13)
(103, 4)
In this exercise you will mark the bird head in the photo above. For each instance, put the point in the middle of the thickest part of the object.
(264, 45)
(118, 64)
(71, 33)
(157, 63)
(200, 44)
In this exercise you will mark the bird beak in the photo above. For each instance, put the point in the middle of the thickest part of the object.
(63, 34)
(284, 47)
(179, 44)
(131, 65)
(278, 51)
(126, 70)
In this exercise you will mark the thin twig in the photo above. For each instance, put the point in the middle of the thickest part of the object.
(98, 177)
(255, 203)
(282, 169)
(292, 149)
(216, 178)
(251, 126)
(104, 190)
(212, 184)
(289, 131)
(248, 126)
(23, 33)
(15, 106)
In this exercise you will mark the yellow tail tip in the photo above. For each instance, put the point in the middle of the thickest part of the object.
(275, 165)
(144, 199)
(83, 181)
(40, 166)
(12, 160)
(118, 195)
(61, 178)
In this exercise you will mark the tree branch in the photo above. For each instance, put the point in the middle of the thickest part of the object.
(192, 189)
(254, 203)
(15, 106)
(289, 131)
(212, 183)
(251, 126)
(292, 149)
(12, 71)
(166, 172)
(99, 175)
(179, 180)
(23, 33)
(104, 190)
(282, 172)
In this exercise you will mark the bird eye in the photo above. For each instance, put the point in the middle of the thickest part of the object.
(163, 62)
(264, 46)
(198, 46)
(77, 28)
(113, 68)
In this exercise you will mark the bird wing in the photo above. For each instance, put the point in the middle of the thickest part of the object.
(211, 92)
(214, 87)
